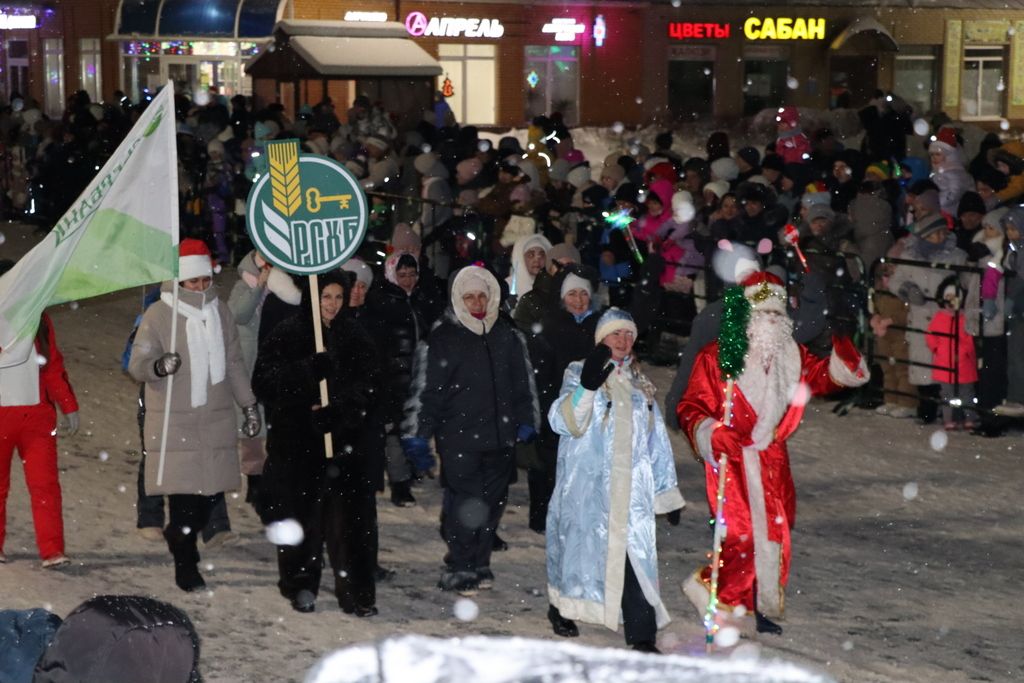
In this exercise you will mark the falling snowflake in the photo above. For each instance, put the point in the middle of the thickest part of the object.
(938, 440)
(285, 532)
(618, 127)
(921, 127)
(727, 637)
(910, 490)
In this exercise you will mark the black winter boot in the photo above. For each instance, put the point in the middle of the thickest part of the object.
(186, 559)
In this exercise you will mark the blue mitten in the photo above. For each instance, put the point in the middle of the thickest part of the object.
(526, 434)
(417, 451)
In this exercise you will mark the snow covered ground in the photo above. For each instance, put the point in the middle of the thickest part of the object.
(907, 561)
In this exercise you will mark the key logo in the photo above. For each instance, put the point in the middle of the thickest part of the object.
(307, 214)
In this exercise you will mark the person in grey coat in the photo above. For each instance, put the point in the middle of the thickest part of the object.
(200, 459)
(256, 280)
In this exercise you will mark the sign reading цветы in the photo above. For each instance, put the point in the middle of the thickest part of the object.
(308, 213)
(417, 24)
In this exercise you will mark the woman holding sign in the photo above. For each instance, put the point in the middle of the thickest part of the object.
(331, 496)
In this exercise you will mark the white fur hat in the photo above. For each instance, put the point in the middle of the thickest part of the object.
(573, 281)
(612, 320)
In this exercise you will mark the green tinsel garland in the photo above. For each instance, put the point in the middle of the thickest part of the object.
(732, 334)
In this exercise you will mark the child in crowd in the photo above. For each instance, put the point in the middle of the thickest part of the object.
(954, 358)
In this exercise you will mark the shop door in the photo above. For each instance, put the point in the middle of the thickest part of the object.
(764, 85)
(190, 75)
(854, 80)
(691, 89)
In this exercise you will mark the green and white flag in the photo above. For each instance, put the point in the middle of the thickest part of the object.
(121, 232)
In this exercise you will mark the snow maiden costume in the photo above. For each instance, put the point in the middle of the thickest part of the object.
(767, 400)
(615, 473)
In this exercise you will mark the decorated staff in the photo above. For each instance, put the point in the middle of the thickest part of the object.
(745, 397)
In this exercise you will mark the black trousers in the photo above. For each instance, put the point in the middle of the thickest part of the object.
(639, 621)
(334, 507)
(476, 488)
(540, 478)
(187, 514)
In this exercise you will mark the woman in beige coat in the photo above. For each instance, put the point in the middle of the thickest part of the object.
(200, 458)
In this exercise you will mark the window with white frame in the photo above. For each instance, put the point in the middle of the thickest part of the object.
(916, 77)
(53, 74)
(983, 83)
(472, 73)
(89, 77)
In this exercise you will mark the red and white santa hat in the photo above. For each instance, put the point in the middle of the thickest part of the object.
(944, 141)
(194, 260)
(765, 291)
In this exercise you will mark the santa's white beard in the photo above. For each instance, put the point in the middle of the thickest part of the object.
(766, 336)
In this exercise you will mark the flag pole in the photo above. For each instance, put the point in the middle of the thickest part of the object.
(170, 383)
(318, 338)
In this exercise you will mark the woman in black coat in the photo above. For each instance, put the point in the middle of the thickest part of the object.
(399, 314)
(566, 334)
(332, 499)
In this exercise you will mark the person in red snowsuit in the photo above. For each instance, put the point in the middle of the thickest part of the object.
(29, 393)
(772, 384)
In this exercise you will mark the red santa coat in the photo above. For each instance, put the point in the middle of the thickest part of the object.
(760, 499)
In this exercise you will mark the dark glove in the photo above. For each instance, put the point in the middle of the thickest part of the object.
(596, 368)
(526, 434)
(417, 451)
(912, 294)
(252, 423)
(673, 517)
(989, 309)
(322, 365)
(326, 418)
(167, 364)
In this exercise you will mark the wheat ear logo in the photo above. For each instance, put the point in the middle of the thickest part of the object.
(307, 213)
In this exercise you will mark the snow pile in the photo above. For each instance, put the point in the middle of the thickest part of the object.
(419, 659)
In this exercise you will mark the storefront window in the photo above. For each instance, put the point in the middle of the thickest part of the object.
(472, 72)
(765, 70)
(194, 65)
(17, 68)
(916, 78)
(982, 83)
(141, 77)
(89, 68)
(552, 81)
(691, 81)
(53, 70)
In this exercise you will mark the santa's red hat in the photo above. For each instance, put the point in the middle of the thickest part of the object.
(765, 291)
(194, 260)
(944, 141)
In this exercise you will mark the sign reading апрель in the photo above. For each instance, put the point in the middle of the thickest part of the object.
(307, 214)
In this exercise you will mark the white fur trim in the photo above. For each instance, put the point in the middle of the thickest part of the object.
(767, 554)
(577, 417)
(194, 266)
(281, 284)
(702, 438)
(613, 325)
(620, 391)
(775, 302)
(668, 501)
(843, 376)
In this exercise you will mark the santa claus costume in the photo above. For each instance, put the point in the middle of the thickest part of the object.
(746, 396)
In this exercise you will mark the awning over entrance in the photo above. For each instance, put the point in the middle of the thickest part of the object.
(867, 26)
(210, 19)
(340, 49)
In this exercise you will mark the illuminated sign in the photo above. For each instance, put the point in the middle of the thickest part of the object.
(417, 24)
(10, 22)
(686, 30)
(600, 31)
(352, 15)
(784, 28)
(565, 29)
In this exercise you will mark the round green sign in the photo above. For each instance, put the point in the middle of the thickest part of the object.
(308, 213)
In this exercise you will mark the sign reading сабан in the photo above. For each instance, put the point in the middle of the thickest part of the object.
(308, 214)
(417, 24)
(784, 28)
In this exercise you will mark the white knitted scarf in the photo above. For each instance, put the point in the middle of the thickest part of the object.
(205, 339)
